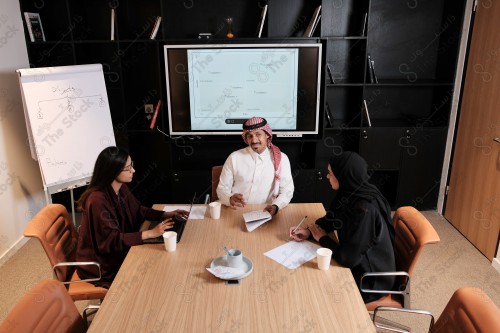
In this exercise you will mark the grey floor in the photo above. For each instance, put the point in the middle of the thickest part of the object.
(443, 268)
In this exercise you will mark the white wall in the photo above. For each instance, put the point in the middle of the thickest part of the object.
(21, 188)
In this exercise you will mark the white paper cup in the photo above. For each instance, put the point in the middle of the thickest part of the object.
(235, 259)
(215, 209)
(324, 256)
(170, 240)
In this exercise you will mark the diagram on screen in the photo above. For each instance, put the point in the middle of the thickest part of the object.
(228, 84)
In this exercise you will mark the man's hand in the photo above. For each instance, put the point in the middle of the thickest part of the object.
(237, 200)
(272, 209)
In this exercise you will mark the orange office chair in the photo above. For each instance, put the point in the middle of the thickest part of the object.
(412, 232)
(54, 229)
(47, 307)
(216, 171)
(469, 310)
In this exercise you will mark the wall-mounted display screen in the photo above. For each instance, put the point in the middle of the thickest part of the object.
(212, 89)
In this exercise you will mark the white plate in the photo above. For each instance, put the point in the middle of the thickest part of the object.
(247, 266)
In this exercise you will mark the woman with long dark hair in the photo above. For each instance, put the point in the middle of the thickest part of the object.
(112, 217)
(362, 218)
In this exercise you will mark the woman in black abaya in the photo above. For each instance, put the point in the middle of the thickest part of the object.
(362, 218)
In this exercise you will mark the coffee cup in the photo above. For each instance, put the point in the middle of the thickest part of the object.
(215, 209)
(324, 256)
(235, 258)
(170, 240)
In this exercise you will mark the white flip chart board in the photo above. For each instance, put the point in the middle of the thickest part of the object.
(68, 120)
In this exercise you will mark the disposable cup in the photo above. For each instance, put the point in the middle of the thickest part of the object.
(170, 240)
(215, 209)
(324, 256)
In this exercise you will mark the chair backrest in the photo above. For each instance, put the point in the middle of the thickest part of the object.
(47, 307)
(53, 227)
(216, 171)
(412, 232)
(469, 310)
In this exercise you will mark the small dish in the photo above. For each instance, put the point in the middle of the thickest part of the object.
(247, 266)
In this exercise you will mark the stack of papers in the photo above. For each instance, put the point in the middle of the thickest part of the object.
(256, 218)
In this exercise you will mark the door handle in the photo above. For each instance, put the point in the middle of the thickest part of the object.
(497, 140)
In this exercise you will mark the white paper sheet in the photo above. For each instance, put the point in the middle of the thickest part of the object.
(293, 254)
(197, 212)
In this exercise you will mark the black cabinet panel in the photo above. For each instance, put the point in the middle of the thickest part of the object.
(312, 186)
(51, 54)
(380, 147)
(185, 184)
(412, 45)
(152, 182)
(141, 89)
(421, 163)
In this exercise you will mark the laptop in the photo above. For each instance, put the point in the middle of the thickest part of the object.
(178, 227)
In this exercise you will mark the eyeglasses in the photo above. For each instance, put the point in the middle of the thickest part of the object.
(129, 167)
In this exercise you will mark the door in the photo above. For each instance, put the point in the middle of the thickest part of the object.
(473, 202)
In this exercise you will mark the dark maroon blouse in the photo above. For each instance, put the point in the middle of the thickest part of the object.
(110, 226)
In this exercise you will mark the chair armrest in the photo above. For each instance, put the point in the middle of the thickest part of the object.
(398, 292)
(94, 308)
(78, 263)
(402, 310)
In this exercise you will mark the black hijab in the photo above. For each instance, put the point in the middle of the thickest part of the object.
(351, 170)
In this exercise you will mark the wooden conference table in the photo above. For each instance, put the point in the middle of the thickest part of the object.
(158, 291)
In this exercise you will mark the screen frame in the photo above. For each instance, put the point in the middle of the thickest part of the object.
(279, 133)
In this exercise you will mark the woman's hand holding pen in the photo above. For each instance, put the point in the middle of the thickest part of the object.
(299, 234)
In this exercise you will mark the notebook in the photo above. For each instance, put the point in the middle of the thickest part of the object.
(255, 219)
(178, 227)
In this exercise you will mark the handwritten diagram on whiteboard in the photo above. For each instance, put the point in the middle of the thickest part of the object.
(68, 119)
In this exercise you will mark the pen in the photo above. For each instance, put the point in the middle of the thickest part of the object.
(305, 217)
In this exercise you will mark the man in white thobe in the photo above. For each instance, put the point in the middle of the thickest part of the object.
(257, 174)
